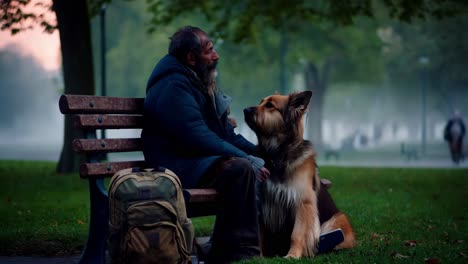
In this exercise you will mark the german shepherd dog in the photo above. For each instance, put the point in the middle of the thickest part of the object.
(296, 209)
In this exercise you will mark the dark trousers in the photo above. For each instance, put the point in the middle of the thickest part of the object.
(235, 233)
(456, 149)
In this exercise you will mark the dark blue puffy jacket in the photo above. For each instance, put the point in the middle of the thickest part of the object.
(183, 132)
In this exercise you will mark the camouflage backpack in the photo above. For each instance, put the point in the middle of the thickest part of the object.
(147, 218)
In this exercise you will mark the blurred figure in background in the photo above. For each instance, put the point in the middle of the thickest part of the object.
(453, 133)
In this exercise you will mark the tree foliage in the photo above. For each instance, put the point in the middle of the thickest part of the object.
(20, 15)
(433, 50)
(15, 17)
(241, 19)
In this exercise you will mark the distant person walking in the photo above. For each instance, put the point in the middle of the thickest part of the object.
(453, 133)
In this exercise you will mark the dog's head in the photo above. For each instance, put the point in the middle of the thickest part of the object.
(278, 116)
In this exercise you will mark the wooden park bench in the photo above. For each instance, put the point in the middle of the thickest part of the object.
(92, 113)
(408, 151)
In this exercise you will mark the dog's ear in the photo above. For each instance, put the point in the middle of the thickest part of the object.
(298, 104)
(299, 101)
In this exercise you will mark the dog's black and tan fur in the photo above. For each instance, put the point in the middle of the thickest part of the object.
(295, 209)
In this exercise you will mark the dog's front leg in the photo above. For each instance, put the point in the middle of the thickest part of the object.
(306, 231)
(261, 235)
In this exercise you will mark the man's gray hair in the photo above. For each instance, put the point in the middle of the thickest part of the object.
(184, 41)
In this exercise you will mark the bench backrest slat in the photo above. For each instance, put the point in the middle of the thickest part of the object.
(107, 145)
(108, 121)
(87, 104)
(107, 169)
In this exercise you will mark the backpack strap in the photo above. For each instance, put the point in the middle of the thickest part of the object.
(182, 213)
(180, 233)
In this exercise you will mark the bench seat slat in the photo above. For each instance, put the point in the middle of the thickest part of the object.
(107, 145)
(108, 121)
(107, 169)
(200, 195)
(87, 104)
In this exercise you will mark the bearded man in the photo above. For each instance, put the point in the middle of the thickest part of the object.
(187, 130)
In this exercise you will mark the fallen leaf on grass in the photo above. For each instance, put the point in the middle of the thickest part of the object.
(401, 256)
(80, 222)
(398, 255)
(411, 243)
(432, 261)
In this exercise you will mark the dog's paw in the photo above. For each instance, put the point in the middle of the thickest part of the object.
(289, 256)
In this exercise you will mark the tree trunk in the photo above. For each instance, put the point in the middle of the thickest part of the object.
(317, 82)
(75, 39)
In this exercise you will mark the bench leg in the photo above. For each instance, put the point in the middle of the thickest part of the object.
(94, 251)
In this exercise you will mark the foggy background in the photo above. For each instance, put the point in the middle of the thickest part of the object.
(382, 74)
(31, 124)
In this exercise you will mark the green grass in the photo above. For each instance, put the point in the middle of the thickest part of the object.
(388, 207)
(42, 213)
(47, 214)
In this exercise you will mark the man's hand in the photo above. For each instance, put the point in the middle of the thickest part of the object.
(258, 166)
(232, 121)
(263, 174)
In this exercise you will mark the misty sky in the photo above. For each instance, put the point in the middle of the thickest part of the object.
(30, 92)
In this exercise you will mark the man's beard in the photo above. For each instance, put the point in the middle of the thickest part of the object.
(206, 72)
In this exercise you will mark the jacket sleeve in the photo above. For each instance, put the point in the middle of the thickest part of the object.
(178, 111)
(239, 141)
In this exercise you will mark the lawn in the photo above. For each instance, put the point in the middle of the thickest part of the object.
(399, 215)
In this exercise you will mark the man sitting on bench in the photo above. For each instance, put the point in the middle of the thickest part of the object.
(187, 130)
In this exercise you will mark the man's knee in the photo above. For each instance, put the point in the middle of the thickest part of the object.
(239, 165)
(236, 171)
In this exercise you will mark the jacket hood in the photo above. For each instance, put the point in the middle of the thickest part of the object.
(170, 65)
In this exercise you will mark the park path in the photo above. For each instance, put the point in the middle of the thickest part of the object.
(52, 153)
(423, 163)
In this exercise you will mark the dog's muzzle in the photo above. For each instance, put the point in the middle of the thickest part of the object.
(249, 110)
(249, 113)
